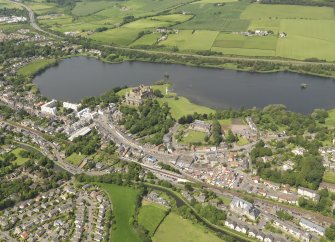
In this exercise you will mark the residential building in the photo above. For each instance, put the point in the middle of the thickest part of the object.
(312, 227)
(243, 207)
(201, 126)
(309, 193)
(49, 108)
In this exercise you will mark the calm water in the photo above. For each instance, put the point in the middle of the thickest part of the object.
(78, 77)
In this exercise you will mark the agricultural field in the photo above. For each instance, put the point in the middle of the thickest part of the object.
(6, 4)
(175, 228)
(191, 40)
(123, 202)
(202, 26)
(243, 45)
(150, 216)
(271, 11)
(210, 17)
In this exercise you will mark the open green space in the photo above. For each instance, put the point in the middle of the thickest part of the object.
(19, 159)
(148, 39)
(192, 136)
(281, 11)
(123, 201)
(35, 66)
(150, 217)
(176, 229)
(181, 106)
(175, 18)
(330, 120)
(147, 23)
(329, 176)
(191, 40)
(75, 159)
(6, 4)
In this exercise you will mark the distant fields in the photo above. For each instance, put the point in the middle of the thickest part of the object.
(201, 25)
(35, 66)
(176, 229)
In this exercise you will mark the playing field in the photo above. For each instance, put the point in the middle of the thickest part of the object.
(150, 217)
(191, 40)
(176, 229)
(123, 202)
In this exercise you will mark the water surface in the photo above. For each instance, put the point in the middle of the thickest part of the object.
(78, 77)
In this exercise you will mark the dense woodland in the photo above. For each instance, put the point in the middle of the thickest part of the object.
(149, 122)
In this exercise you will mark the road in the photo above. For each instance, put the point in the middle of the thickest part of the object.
(180, 55)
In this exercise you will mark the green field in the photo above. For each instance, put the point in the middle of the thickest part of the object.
(147, 23)
(19, 159)
(210, 17)
(329, 176)
(35, 66)
(148, 39)
(175, 18)
(6, 4)
(330, 121)
(182, 106)
(75, 159)
(118, 36)
(194, 137)
(123, 202)
(303, 36)
(176, 229)
(191, 40)
(243, 45)
(271, 11)
(150, 217)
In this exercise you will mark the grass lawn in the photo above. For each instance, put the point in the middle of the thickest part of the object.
(90, 7)
(272, 11)
(242, 141)
(146, 23)
(123, 202)
(176, 229)
(330, 121)
(150, 216)
(329, 176)
(182, 106)
(225, 200)
(192, 40)
(75, 159)
(194, 137)
(35, 66)
(19, 159)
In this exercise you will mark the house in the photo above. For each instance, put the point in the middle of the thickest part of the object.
(50, 108)
(309, 193)
(201, 126)
(243, 207)
(310, 226)
(24, 235)
(252, 233)
(241, 228)
(298, 151)
(230, 224)
(268, 238)
(137, 95)
(260, 236)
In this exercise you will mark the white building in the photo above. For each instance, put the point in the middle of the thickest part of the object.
(310, 226)
(50, 108)
(73, 106)
(243, 207)
(309, 193)
(298, 151)
(86, 113)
